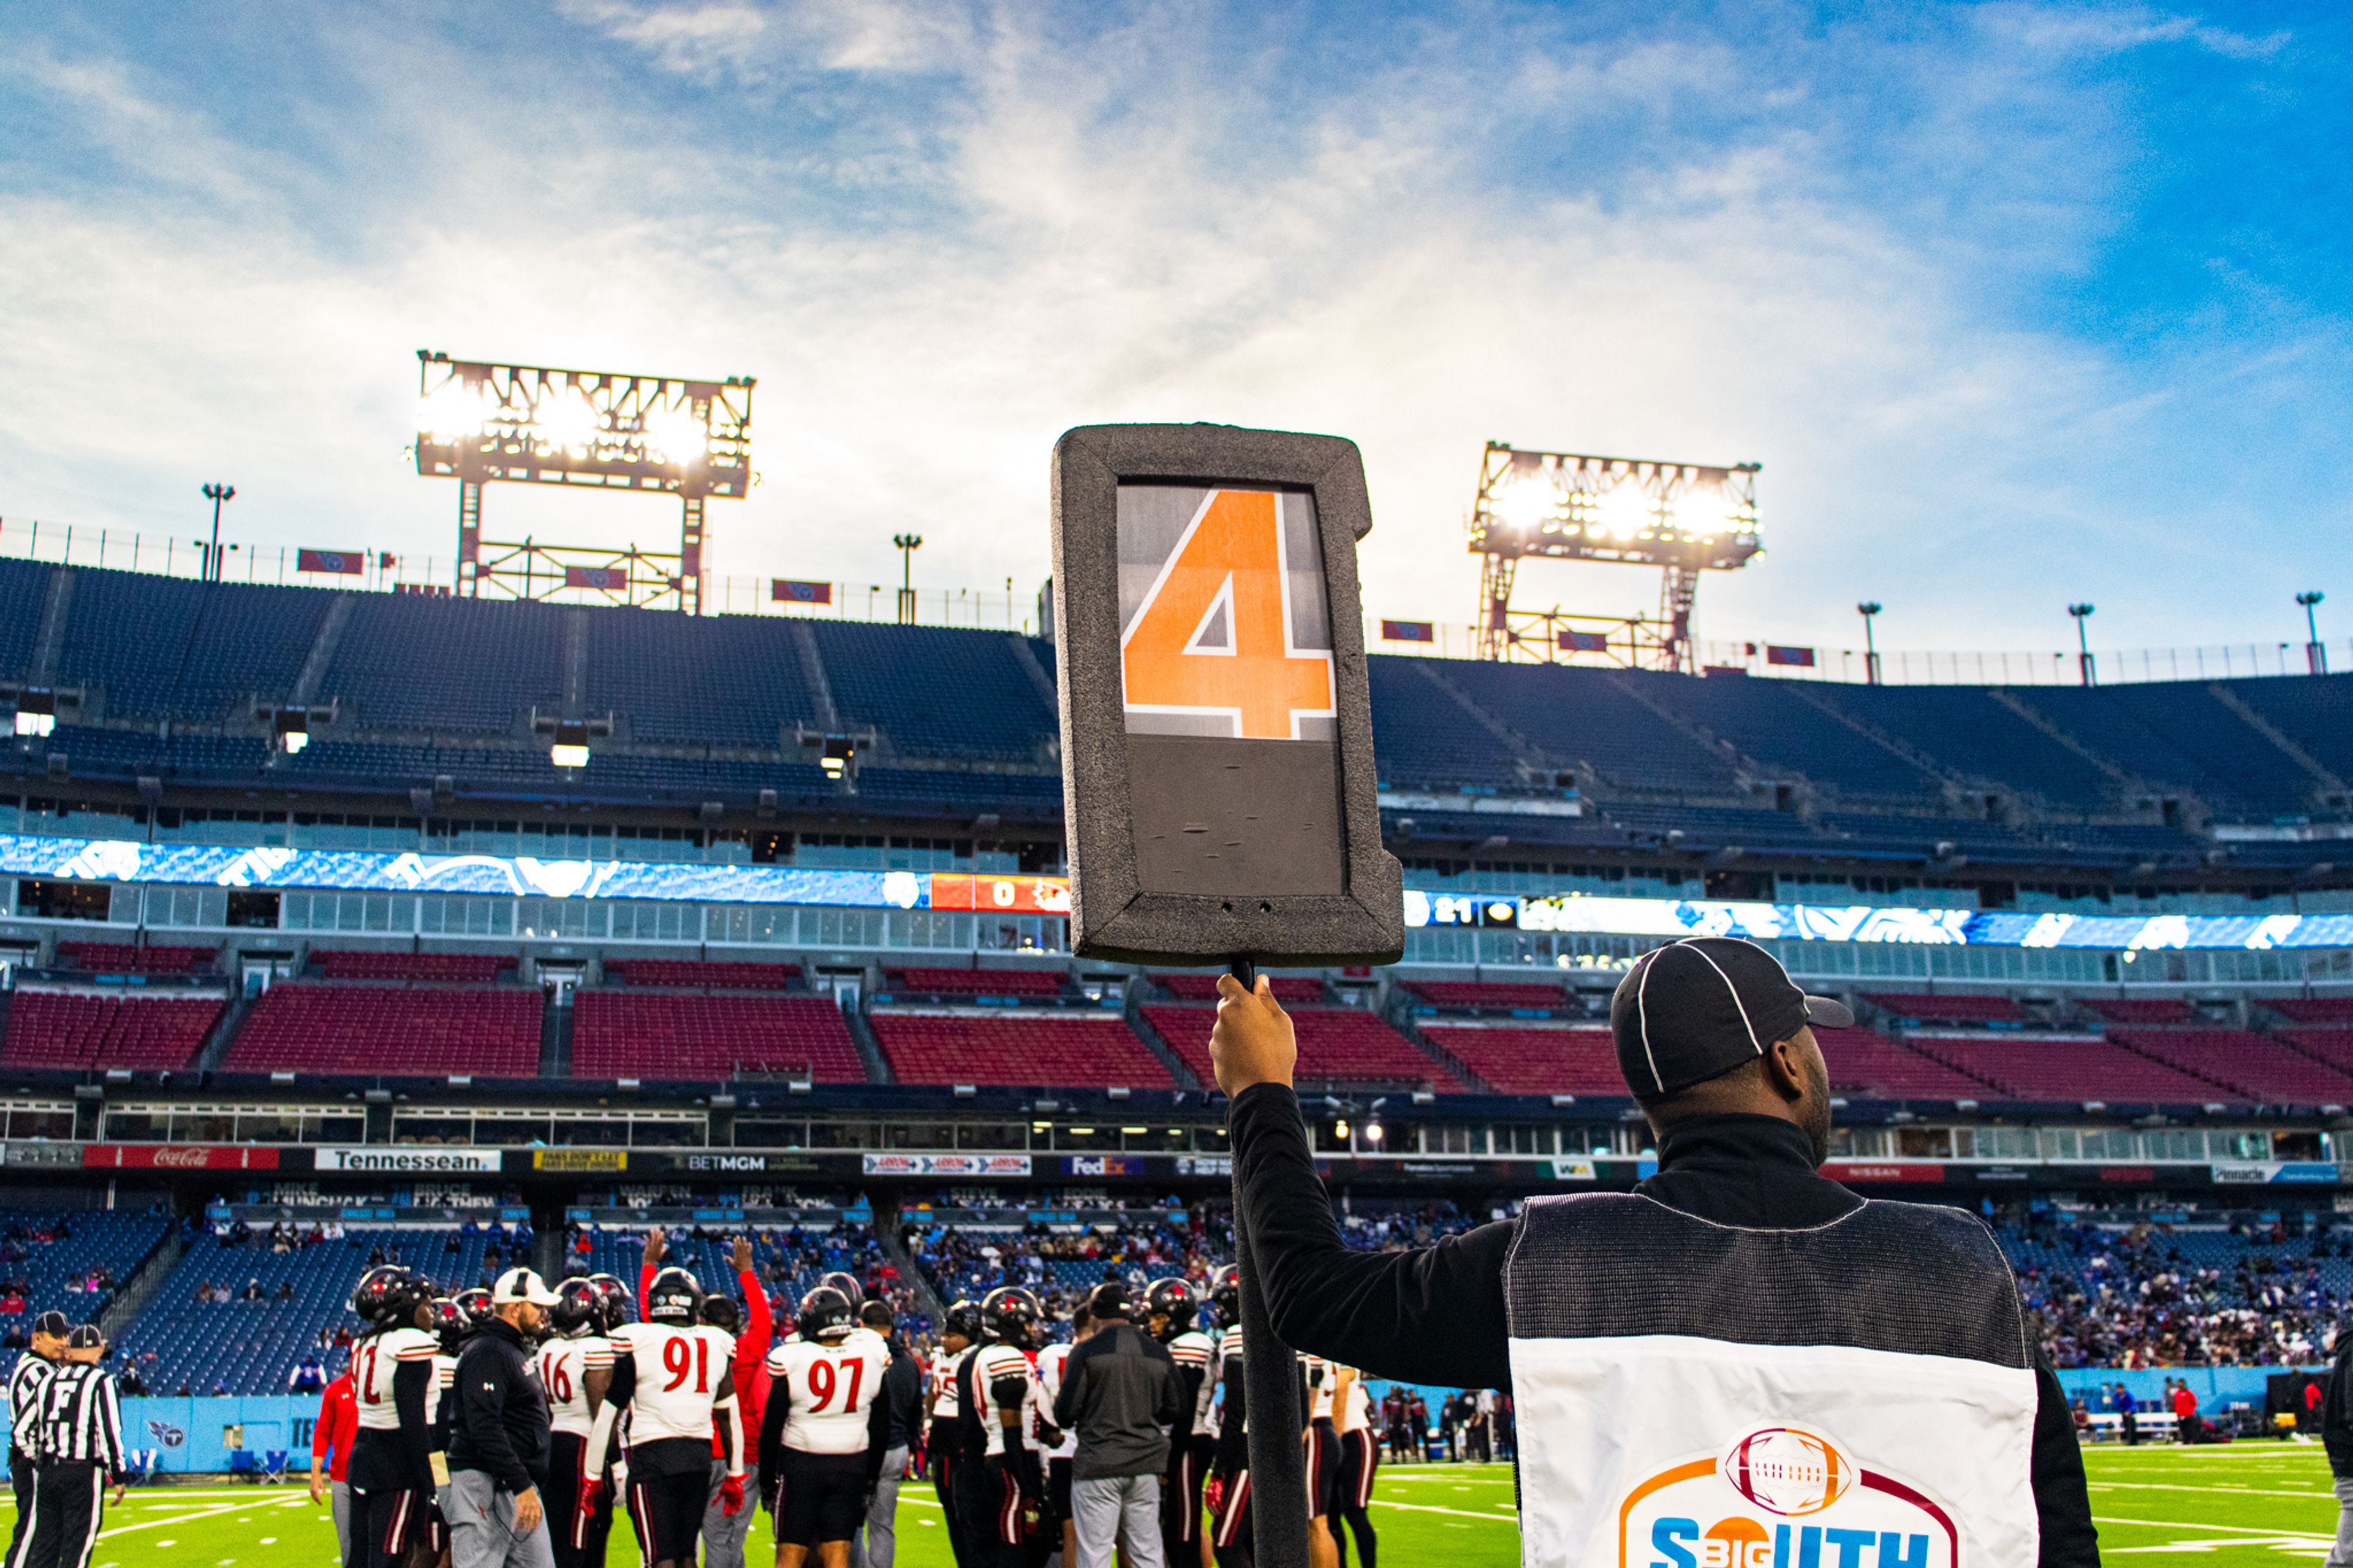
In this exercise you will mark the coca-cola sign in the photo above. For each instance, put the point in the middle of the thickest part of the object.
(178, 1157)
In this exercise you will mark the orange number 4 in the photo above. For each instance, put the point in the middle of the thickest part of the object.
(1213, 635)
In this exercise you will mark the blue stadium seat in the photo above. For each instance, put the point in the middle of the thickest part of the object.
(935, 692)
(1423, 739)
(165, 645)
(720, 679)
(1581, 715)
(408, 662)
(1772, 723)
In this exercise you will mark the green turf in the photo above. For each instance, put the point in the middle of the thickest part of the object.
(2230, 1506)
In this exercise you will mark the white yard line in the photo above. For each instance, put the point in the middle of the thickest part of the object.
(2277, 1542)
(2208, 1491)
(176, 1519)
(1458, 1512)
(2236, 1530)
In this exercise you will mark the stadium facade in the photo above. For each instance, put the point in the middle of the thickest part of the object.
(792, 921)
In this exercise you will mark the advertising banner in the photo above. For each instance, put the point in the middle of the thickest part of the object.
(178, 1157)
(408, 1160)
(947, 1165)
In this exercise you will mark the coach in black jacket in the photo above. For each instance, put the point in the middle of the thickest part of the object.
(1121, 1394)
(499, 1437)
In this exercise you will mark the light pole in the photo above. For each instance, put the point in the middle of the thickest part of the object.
(2314, 656)
(216, 494)
(1867, 610)
(908, 544)
(2083, 614)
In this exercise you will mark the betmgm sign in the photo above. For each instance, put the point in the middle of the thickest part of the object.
(1217, 773)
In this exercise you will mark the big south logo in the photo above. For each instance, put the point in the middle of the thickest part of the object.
(1788, 1470)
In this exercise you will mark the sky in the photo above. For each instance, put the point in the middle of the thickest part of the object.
(2016, 305)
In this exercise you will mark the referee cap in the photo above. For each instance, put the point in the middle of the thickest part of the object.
(523, 1284)
(1695, 1008)
(85, 1337)
(52, 1323)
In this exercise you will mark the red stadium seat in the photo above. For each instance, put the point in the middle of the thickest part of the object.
(685, 974)
(81, 1029)
(2067, 1069)
(1336, 1045)
(2331, 1047)
(2313, 1009)
(437, 968)
(708, 1038)
(2256, 1067)
(1865, 1064)
(383, 1031)
(975, 982)
(1499, 996)
(2149, 1012)
(124, 958)
(1082, 1050)
(1534, 1059)
(1947, 1009)
(1290, 990)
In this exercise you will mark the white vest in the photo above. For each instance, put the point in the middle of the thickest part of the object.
(1859, 1394)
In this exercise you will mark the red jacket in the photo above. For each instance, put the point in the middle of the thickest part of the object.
(339, 1423)
(751, 1354)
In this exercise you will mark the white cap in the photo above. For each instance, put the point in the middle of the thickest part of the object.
(523, 1284)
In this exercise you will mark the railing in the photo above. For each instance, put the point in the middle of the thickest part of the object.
(1006, 609)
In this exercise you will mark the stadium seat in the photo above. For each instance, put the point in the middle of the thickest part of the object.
(975, 982)
(669, 1035)
(389, 1031)
(1290, 990)
(2313, 1009)
(78, 1029)
(2147, 1012)
(1336, 1045)
(1920, 1009)
(1866, 1065)
(1082, 1050)
(435, 968)
(2251, 1066)
(2066, 1071)
(124, 958)
(1489, 996)
(1533, 1059)
(686, 975)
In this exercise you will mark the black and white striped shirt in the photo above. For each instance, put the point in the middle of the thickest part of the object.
(26, 1380)
(81, 1421)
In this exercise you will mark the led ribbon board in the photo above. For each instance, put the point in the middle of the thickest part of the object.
(1218, 776)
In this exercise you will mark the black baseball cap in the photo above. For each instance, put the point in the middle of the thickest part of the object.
(1695, 1008)
(1109, 1300)
(85, 1337)
(53, 1323)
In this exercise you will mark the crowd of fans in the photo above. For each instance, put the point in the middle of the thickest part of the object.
(2149, 1295)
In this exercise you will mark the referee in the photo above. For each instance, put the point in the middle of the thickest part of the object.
(26, 1381)
(1837, 1358)
(81, 1449)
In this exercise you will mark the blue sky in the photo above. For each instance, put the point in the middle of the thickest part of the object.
(2016, 304)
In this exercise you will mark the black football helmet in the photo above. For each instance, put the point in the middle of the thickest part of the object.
(721, 1311)
(388, 1295)
(476, 1301)
(826, 1314)
(851, 1290)
(675, 1298)
(614, 1302)
(963, 1318)
(1174, 1300)
(1011, 1315)
(575, 1312)
(1226, 1295)
(450, 1322)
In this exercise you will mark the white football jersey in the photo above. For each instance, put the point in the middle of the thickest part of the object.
(562, 1368)
(1323, 1377)
(992, 1364)
(945, 1407)
(374, 1360)
(828, 1390)
(1356, 1413)
(679, 1371)
(1193, 1352)
(1230, 1362)
(1051, 1362)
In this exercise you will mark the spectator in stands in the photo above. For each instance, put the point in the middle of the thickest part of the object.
(128, 1383)
(307, 1377)
(13, 1303)
(252, 1291)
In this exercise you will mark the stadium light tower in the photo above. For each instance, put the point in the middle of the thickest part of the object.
(478, 423)
(1869, 610)
(1683, 518)
(908, 544)
(2083, 614)
(2315, 657)
(218, 494)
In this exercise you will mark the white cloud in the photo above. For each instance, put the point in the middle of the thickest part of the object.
(1141, 222)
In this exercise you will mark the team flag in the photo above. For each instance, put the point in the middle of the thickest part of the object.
(1584, 642)
(786, 591)
(1799, 656)
(611, 579)
(1408, 631)
(347, 563)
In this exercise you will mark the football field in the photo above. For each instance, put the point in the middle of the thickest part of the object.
(2230, 1507)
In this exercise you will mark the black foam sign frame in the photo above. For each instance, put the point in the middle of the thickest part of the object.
(1277, 856)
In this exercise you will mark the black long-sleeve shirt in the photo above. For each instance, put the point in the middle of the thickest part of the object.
(2336, 1410)
(1435, 1314)
(501, 1421)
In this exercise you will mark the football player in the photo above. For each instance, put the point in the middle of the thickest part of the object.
(1061, 1522)
(1230, 1535)
(574, 1367)
(1323, 1439)
(1170, 1311)
(944, 1437)
(391, 1472)
(675, 1378)
(753, 1324)
(1360, 1457)
(821, 1444)
(1006, 1427)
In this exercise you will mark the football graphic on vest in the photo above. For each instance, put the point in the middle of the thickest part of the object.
(1788, 1470)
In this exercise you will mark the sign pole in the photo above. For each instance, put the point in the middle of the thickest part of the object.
(1278, 1467)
